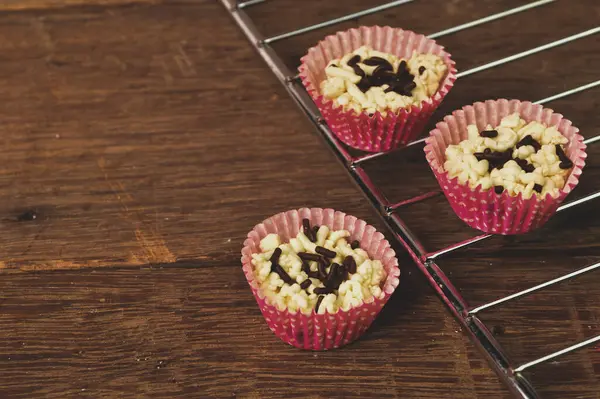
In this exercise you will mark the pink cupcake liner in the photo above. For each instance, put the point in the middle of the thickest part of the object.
(377, 132)
(321, 331)
(484, 209)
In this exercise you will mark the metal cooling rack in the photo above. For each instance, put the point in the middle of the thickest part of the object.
(428, 262)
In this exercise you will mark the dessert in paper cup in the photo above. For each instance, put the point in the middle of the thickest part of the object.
(505, 166)
(377, 87)
(320, 277)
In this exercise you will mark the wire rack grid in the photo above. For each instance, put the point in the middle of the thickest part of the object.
(428, 262)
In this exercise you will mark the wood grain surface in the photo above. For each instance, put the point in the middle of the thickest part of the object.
(142, 140)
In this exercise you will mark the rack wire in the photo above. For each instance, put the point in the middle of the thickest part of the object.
(428, 262)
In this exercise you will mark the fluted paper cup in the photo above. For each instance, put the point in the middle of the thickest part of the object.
(321, 331)
(375, 132)
(484, 209)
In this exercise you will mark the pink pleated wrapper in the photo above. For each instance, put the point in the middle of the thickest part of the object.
(321, 331)
(484, 209)
(377, 132)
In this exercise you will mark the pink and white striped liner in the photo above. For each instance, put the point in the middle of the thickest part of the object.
(484, 209)
(373, 133)
(316, 331)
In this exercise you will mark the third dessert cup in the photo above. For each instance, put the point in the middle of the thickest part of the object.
(376, 129)
(498, 209)
(324, 329)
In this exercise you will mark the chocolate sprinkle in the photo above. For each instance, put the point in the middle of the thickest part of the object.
(305, 225)
(342, 273)
(323, 290)
(422, 69)
(527, 167)
(529, 140)
(489, 133)
(498, 189)
(315, 229)
(305, 267)
(331, 276)
(337, 274)
(560, 152)
(372, 61)
(402, 90)
(354, 60)
(358, 70)
(402, 82)
(537, 187)
(384, 72)
(305, 284)
(319, 300)
(401, 68)
(364, 84)
(309, 256)
(497, 159)
(283, 274)
(355, 244)
(308, 231)
(322, 269)
(312, 274)
(409, 87)
(275, 259)
(276, 254)
(324, 261)
(350, 264)
(325, 252)
(565, 162)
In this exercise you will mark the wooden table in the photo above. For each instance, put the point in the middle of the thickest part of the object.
(142, 139)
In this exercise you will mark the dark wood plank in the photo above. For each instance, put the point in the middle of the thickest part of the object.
(148, 132)
(120, 110)
(195, 331)
(121, 143)
(28, 5)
